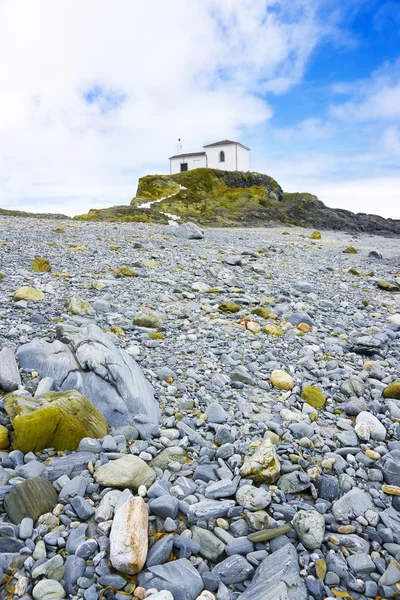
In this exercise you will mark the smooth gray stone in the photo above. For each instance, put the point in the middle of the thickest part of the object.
(278, 576)
(292, 483)
(25, 528)
(391, 518)
(352, 387)
(179, 577)
(391, 575)
(390, 467)
(145, 426)
(352, 505)
(361, 563)
(207, 509)
(300, 317)
(34, 468)
(160, 551)
(85, 359)
(159, 488)
(222, 489)
(216, 413)
(4, 490)
(129, 432)
(195, 438)
(188, 231)
(71, 465)
(164, 506)
(211, 547)
(90, 445)
(86, 549)
(45, 385)
(116, 581)
(186, 545)
(10, 378)
(91, 593)
(75, 487)
(10, 545)
(76, 537)
(239, 545)
(82, 508)
(234, 569)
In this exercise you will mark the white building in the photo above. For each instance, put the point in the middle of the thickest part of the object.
(225, 155)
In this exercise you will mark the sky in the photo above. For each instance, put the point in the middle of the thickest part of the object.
(94, 94)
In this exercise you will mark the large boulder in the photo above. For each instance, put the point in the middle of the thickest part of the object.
(85, 359)
(56, 420)
(31, 498)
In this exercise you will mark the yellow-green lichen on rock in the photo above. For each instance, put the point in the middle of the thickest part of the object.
(124, 271)
(273, 330)
(350, 250)
(265, 313)
(56, 420)
(261, 464)
(4, 442)
(149, 320)
(313, 396)
(392, 390)
(30, 294)
(316, 235)
(41, 265)
(229, 307)
(77, 306)
(1, 276)
(387, 286)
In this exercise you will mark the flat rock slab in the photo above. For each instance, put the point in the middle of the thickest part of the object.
(32, 498)
(278, 576)
(85, 359)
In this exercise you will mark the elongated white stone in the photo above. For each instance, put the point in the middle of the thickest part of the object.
(129, 537)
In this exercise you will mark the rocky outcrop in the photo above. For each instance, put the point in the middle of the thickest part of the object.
(214, 198)
(85, 359)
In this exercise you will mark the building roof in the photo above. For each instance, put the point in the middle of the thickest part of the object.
(226, 143)
(188, 154)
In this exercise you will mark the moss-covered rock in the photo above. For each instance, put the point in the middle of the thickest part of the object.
(41, 265)
(77, 249)
(4, 441)
(156, 335)
(316, 235)
(149, 320)
(30, 294)
(265, 313)
(124, 271)
(350, 250)
(392, 390)
(273, 330)
(229, 307)
(1, 276)
(387, 286)
(313, 396)
(56, 420)
(77, 306)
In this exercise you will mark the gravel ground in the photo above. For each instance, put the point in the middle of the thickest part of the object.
(251, 386)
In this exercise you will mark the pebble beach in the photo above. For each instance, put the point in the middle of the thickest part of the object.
(198, 415)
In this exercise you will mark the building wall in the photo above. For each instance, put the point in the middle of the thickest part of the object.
(243, 159)
(194, 162)
(213, 161)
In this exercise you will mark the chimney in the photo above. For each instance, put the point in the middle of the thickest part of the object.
(179, 147)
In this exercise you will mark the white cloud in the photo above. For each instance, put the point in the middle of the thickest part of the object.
(95, 93)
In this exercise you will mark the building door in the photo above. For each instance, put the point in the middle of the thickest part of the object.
(184, 167)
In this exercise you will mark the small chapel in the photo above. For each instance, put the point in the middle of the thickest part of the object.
(225, 155)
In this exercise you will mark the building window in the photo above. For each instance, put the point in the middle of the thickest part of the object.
(222, 156)
(184, 167)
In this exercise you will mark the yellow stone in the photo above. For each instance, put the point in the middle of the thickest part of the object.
(30, 294)
(77, 306)
(372, 454)
(313, 396)
(281, 380)
(124, 271)
(265, 313)
(316, 235)
(4, 443)
(77, 248)
(56, 420)
(367, 366)
(98, 285)
(273, 330)
(392, 490)
(346, 529)
(320, 568)
(116, 331)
